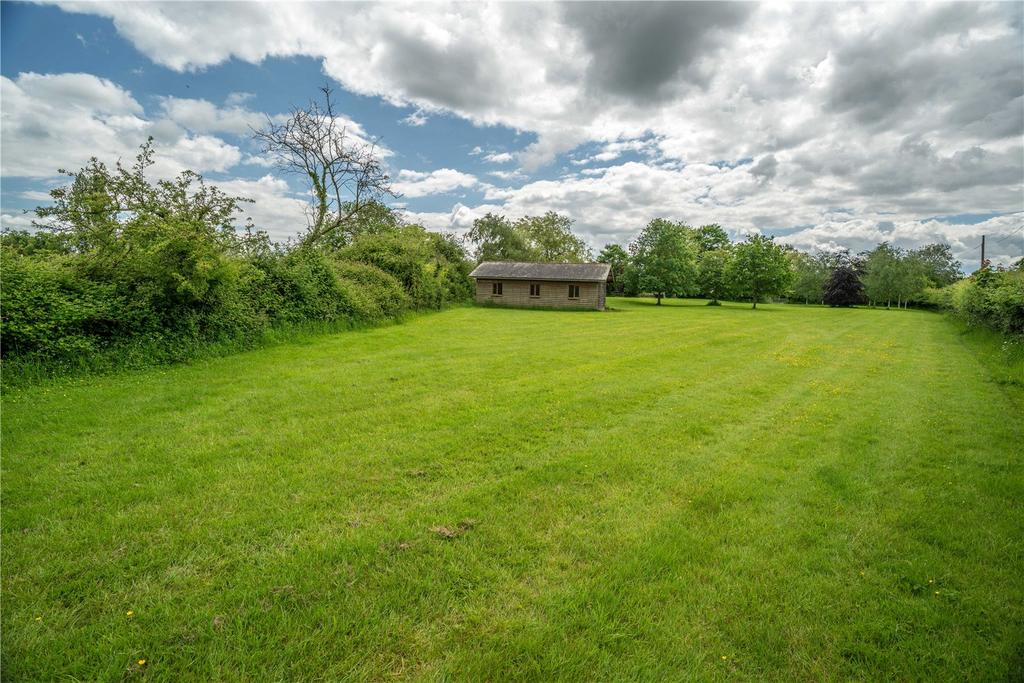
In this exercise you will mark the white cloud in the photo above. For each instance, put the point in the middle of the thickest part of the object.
(612, 204)
(442, 181)
(61, 120)
(507, 175)
(16, 221)
(892, 112)
(260, 160)
(613, 150)
(459, 220)
(79, 91)
(415, 119)
(237, 99)
(964, 239)
(276, 209)
(203, 116)
(35, 196)
(499, 157)
(735, 87)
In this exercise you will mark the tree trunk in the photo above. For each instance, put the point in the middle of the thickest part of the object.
(659, 298)
(755, 304)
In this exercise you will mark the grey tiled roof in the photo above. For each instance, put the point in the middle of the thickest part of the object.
(512, 270)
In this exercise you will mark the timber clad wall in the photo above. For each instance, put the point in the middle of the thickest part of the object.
(553, 294)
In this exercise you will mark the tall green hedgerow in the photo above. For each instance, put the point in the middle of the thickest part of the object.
(140, 271)
(991, 298)
(49, 308)
(370, 294)
(432, 268)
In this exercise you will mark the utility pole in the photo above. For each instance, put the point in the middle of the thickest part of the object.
(982, 251)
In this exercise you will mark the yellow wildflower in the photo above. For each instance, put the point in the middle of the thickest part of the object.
(142, 662)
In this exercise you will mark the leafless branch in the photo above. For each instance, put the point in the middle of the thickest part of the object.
(343, 174)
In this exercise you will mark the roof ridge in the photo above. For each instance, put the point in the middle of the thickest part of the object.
(591, 271)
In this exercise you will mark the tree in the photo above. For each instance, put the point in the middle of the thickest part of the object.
(430, 266)
(373, 218)
(618, 259)
(938, 264)
(712, 237)
(532, 238)
(843, 287)
(892, 275)
(663, 260)
(760, 269)
(880, 274)
(162, 245)
(713, 274)
(912, 280)
(102, 210)
(343, 173)
(810, 275)
(497, 239)
(551, 238)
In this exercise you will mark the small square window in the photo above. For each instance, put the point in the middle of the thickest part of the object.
(534, 290)
(574, 291)
(496, 289)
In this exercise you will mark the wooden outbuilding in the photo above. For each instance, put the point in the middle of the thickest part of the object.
(541, 285)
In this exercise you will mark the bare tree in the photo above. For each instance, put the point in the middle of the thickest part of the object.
(344, 174)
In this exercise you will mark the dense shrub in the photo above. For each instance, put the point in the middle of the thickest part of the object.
(432, 268)
(369, 294)
(47, 307)
(157, 270)
(993, 298)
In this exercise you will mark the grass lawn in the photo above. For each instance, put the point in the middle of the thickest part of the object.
(674, 492)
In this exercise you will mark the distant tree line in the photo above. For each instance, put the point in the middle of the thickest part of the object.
(886, 275)
(672, 259)
(667, 259)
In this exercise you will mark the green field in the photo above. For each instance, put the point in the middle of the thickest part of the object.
(653, 493)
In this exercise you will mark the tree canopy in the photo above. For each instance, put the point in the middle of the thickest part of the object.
(532, 238)
(711, 237)
(937, 264)
(663, 260)
(811, 272)
(618, 259)
(714, 273)
(843, 287)
(760, 269)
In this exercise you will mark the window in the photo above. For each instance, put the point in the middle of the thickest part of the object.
(574, 291)
(495, 289)
(534, 290)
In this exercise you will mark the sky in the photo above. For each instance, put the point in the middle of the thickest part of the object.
(826, 125)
